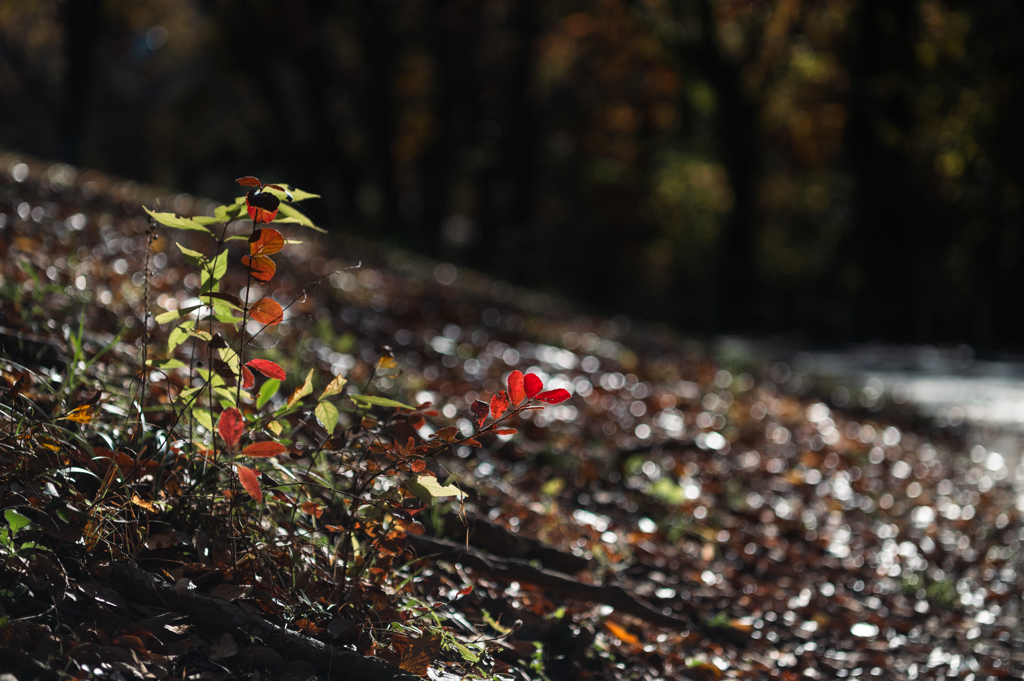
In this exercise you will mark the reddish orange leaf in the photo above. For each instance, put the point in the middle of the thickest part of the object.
(533, 385)
(516, 392)
(480, 410)
(447, 434)
(230, 425)
(263, 450)
(262, 206)
(313, 509)
(251, 482)
(267, 368)
(267, 311)
(260, 267)
(554, 396)
(623, 635)
(466, 590)
(249, 181)
(499, 404)
(248, 380)
(265, 241)
(505, 431)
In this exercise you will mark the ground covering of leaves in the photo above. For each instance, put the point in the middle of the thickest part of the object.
(776, 536)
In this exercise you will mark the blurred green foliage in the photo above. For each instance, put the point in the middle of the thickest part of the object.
(851, 167)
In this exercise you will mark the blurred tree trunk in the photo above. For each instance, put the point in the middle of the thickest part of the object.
(378, 110)
(890, 221)
(81, 19)
(452, 42)
(506, 189)
(737, 140)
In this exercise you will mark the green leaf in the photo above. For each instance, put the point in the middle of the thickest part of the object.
(203, 418)
(231, 358)
(16, 520)
(167, 364)
(194, 258)
(228, 395)
(365, 401)
(175, 314)
(466, 653)
(427, 487)
(186, 395)
(267, 391)
(297, 194)
(176, 221)
(212, 272)
(327, 415)
(223, 314)
(231, 212)
(178, 335)
(293, 214)
(32, 545)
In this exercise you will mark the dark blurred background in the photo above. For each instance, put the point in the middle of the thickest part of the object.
(844, 169)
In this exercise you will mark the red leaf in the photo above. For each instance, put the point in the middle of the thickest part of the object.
(265, 241)
(248, 380)
(554, 396)
(250, 481)
(267, 311)
(465, 591)
(533, 385)
(480, 410)
(260, 267)
(267, 368)
(230, 425)
(499, 404)
(505, 431)
(263, 450)
(249, 181)
(516, 392)
(262, 206)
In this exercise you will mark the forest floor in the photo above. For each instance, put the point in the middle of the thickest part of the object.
(678, 517)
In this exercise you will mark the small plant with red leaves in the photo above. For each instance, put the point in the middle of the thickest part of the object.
(352, 468)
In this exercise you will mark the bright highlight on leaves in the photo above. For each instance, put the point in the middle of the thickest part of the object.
(250, 481)
(267, 311)
(533, 385)
(231, 426)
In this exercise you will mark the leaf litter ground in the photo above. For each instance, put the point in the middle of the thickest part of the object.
(677, 518)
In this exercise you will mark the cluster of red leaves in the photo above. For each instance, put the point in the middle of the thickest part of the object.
(520, 389)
